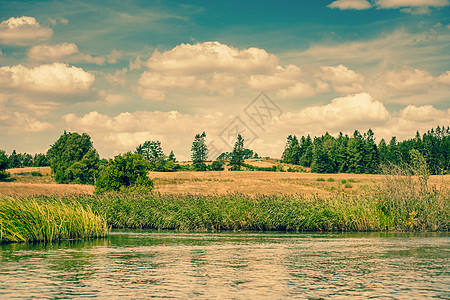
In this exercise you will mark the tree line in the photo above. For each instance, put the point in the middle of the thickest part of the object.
(73, 158)
(360, 154)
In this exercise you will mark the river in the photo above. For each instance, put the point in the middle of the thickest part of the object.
(135, 264)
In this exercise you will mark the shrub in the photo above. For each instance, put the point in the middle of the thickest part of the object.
(320, 179)
(330, 180)
(343, 181)
(217, 165)
(348, 186)
(125, 173)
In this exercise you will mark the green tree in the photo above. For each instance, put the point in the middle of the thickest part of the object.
(172, 157)
(199, 152)
(237, 156)
(67, 150)
(14, 160)
(40, 160)
(217, 165)
(3, 165)
(86, 170)
(125, 173)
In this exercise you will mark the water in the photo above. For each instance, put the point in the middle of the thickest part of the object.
(243, 265)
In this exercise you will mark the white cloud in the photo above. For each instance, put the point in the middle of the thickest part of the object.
(344, 80)
(350, 4)
(406, 80)
(444, 78)
(69, 52)
(121, 133)
(411, 3)
(302, 90)
(118, 77)
(281, 78)
(344, 112)
(212, 57)
(56, 78)
(17, 123)
(23, 31)
(412, 6)
(52, 52)
(422, 113)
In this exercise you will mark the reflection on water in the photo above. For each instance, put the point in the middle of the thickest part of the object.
(143, 264)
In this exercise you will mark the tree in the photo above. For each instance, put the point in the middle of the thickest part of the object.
(172, 157)
(125, 173)
(86, 170)
(67, 150)
(237, 156)
(291, 154)
(150, 150)
(40, 160)
(216, 165)
(3, 165)
(14, 160)
(199, 152)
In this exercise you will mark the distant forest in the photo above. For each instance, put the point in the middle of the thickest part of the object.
(360, 154)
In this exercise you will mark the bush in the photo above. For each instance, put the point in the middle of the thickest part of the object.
(4, 175)
(348, 186)
(127, 173)
(330, 180)
(320, 179)
(217, 165)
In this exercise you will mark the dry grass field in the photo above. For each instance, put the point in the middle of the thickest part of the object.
(246, 182)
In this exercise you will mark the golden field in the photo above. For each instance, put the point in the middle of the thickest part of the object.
(213, 182)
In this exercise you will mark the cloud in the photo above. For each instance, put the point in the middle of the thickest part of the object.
(153, 85)
(344, 80)
(345, 112)
(350, 4)
(406, 80)
(52, 52)
(56, 78)
(424, 113)
(411, 3)
(444, 78)
(17, 123)
(121, 133)
(281, 78)
(69, 52)
(23, 31)
(412, 6)
(211, 57)
(303, 90)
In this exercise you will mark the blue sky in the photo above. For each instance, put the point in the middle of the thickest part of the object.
(130, 71)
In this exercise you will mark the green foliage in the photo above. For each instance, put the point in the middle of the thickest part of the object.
(86, 170)
(47, 219)
(330, 179)
(216, 165)
(348, 185)
(237, 156)
(360, 154)
(3, 160)
(199, 152)
(70, 149)
(320, 179)
(124, 173)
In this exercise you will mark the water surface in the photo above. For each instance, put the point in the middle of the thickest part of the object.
(243, 265)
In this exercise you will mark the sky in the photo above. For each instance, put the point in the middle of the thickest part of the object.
(126, 72)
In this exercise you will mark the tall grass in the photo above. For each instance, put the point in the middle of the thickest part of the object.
(49, 219)
(409, 201)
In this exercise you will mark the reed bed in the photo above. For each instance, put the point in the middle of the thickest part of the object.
(47, 219)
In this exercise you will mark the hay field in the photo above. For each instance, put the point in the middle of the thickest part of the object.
(246, 182)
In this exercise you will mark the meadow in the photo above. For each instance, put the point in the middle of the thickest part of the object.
(34, 208)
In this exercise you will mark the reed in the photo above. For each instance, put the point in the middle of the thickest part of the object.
(47, 219)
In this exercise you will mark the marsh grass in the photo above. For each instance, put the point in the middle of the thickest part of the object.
(410, 201)
(47, 219)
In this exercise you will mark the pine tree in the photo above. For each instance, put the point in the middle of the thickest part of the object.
(237, 156)
(199, 152)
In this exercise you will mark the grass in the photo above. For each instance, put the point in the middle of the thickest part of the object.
(47, 219)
